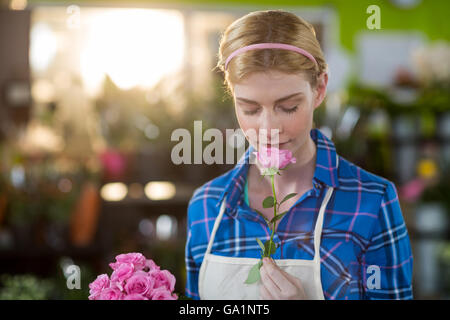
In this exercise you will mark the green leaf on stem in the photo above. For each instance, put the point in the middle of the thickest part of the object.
(268, 202)
(269, 245)
(278, 217)
(254, 275)
(260, 244)
(290, 195)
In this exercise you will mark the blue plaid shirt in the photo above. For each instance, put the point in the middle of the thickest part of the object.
(363, 227)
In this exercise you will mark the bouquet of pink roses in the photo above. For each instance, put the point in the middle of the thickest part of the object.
(134, 278)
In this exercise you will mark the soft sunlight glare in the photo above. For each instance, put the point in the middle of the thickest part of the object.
(18, 4)
(114, 191)
(135, 47)
(160, 190)
(43, 46)
(165, 227)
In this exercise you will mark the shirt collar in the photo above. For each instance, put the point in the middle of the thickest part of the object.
(326, 160)
(325, 171)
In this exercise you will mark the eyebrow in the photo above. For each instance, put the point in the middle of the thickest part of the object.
(276, 101)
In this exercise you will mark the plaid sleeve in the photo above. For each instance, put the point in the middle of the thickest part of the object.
(388, 262)
(192, 268)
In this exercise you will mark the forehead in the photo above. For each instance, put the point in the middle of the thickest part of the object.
(271, 84)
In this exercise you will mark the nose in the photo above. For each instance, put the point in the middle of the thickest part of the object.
(270, 128)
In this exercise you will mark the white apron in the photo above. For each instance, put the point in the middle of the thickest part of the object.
(222, 278)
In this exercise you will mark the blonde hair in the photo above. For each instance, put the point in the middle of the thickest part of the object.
(270, 26)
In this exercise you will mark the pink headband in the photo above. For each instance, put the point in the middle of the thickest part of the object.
(270, 45)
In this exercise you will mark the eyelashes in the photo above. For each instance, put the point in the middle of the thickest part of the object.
(291, 110)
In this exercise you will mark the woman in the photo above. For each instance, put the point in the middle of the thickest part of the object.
(343, 237)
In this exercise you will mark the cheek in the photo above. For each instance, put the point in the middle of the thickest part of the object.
(248, 126)
(243, 121)
(298, 123)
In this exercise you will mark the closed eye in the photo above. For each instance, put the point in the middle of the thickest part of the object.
(291, 110)
(249, 113)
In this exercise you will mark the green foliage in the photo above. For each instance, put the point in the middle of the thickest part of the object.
(254, 274)
(269, 248)
(261, 245)
(434, 99)
(290, 195)
(25, 287)
(278, 217)
(268, 202)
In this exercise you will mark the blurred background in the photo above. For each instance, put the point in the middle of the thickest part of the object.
(90, 92)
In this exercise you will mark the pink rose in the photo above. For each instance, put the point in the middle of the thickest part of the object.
(96, 286)
(151, 265)
(94, 296)
(110, 294)
(274, 158)
(163, 294)
(163, 278)
(116, 285)
(134, 296)
(123, 272)
(114, 265)
(135, 258)
(140, 282)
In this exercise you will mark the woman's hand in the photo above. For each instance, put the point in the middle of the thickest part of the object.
(278, 284)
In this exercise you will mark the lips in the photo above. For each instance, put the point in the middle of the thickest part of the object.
(279, 145)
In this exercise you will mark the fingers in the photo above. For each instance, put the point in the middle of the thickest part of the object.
(279, 284)
(296, 288)
(268, 283)
(275, 274)
(264, 293)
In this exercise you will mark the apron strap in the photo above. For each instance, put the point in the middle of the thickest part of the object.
(319, 222)
(216, 226)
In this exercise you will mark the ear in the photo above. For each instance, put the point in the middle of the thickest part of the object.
(321, 89)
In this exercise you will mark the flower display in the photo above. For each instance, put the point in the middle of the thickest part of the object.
(134, 278)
